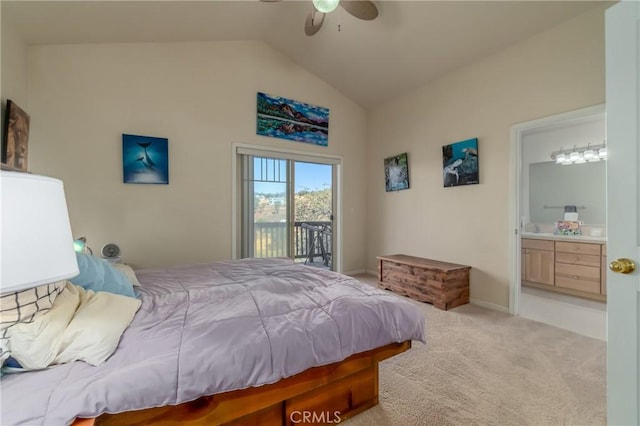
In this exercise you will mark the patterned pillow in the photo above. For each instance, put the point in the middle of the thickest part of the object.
(23, 307)
(27, 305)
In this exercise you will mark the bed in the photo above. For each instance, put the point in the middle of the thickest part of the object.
(252, 341)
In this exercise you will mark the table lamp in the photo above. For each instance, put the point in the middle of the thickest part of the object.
(36, 242)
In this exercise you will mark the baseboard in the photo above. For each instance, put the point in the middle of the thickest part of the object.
(355, 272)
(374, 273)
(489, 305)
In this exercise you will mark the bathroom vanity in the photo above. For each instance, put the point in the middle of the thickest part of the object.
(574, 265)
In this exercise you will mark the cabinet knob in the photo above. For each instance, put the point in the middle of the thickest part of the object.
(623, 266)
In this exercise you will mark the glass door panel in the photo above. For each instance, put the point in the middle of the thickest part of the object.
(265, 207)
(313, 214)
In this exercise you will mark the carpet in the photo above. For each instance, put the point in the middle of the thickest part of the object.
(483, 367)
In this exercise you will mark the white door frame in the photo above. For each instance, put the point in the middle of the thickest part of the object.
(299, 156)
(517, 133)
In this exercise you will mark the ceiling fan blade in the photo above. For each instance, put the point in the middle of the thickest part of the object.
(313, 22)
(361, 9)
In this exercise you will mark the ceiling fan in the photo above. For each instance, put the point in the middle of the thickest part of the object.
(361, 9)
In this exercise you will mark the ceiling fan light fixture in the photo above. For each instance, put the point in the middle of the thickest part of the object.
(325, 6)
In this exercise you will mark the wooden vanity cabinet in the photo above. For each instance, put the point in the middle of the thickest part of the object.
(538, 262)
(578, 266)
(569, 267)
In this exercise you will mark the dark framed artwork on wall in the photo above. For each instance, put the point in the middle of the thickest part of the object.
(460, 163)
(145, 159)
(284, 118)
(396, 172)
(15, 140)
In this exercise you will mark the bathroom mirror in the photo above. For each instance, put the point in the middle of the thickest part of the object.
(552, 186)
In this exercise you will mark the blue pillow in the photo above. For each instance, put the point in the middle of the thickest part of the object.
(98, 275)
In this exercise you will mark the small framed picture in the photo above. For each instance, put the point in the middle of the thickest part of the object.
(396, 173)
(145, 159)
(460, 163)
(16, 137)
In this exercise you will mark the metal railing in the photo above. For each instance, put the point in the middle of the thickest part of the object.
(312, 240)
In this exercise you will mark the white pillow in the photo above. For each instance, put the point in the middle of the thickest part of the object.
(128, 272)
(36, 344)
(81, 325)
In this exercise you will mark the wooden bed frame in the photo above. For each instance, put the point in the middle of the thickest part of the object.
(320, 395)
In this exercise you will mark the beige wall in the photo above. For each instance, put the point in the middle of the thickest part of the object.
(13, 81)
(202, 97)
(556, 71)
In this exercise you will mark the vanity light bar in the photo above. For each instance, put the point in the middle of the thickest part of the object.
(580, 155)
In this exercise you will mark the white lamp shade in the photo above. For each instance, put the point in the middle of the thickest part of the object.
(326, 6)
(37, 246)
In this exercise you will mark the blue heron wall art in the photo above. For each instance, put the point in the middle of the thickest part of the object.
(145, 159)
(460, 163)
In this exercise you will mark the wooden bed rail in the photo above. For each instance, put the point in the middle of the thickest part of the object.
(324, 395)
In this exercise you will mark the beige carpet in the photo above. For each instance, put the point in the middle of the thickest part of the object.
(483, 367)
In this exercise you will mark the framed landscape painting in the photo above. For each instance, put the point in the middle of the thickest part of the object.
(286, 119)
(396, 173)
(460, 163)
(145, 159)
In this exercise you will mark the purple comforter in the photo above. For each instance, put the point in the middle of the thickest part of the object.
(210, 328)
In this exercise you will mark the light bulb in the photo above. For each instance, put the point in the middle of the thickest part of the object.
(589, 154)
(326, 6)
(574, 156)
(602, 152)
(561, 158)
(580, 160)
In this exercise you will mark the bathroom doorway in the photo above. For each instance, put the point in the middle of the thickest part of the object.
(544, 278)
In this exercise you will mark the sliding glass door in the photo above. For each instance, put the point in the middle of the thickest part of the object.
(287, 209)
(313, 214)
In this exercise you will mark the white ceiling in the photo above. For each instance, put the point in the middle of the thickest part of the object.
(409, 44)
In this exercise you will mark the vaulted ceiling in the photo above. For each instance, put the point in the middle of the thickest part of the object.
(409, 44)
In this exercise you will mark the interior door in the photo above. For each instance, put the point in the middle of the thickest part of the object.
(623, 240)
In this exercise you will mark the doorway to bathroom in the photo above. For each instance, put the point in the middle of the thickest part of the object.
(558, 245)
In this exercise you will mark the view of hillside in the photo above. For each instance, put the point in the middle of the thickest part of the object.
(310, 206)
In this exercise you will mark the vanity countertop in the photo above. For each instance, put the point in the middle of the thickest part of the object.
(554, 237)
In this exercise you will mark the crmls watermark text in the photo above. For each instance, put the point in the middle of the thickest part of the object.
(322, 417)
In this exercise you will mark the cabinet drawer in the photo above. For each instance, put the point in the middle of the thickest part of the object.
(578, 259)
(577, 277)
(537, 244)
(583, 248)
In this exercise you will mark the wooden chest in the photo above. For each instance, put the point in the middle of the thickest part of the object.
(445, 285)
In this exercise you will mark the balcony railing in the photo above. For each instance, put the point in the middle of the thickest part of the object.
(312, 241)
